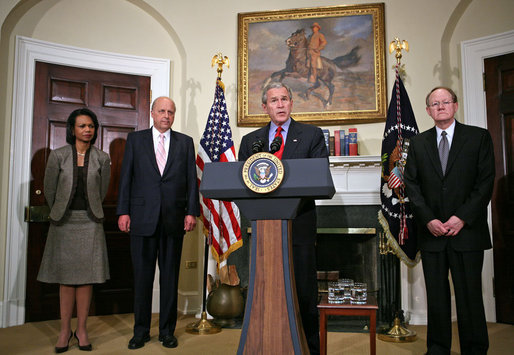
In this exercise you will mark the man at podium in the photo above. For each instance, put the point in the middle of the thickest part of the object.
(298, 141)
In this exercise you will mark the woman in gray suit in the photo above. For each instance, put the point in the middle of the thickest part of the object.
(76, 181)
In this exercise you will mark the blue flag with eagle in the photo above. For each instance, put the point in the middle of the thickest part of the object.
(395, 215)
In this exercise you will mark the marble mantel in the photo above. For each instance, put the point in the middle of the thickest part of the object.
(356, 179)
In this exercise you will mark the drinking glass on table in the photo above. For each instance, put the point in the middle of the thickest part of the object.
(359, 293)
(346, 285)
(335, 292)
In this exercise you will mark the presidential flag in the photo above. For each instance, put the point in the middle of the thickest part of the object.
(395, 215)
(221, 221)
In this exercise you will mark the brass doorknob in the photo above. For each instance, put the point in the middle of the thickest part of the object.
(38, 192)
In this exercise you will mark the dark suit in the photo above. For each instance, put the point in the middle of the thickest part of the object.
(157, 206)
(464, 191)
(303, 141)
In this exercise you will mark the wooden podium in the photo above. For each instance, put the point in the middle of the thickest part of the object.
(272, 322)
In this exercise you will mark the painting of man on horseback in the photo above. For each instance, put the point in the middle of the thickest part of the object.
(333, 64)
(308, 63)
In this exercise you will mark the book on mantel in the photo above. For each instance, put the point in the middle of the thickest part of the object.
(353, 148)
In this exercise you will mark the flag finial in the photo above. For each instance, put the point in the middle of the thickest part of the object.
(397, 46)
(220, 60)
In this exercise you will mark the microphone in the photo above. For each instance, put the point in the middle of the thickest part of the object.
(257, 146)
(275, 145)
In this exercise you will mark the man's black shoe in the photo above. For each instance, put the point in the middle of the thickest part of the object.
(168, 341)
(138, 342)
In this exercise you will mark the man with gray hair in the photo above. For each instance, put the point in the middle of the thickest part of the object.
(299, 141)
(157, 204)
(449, 178)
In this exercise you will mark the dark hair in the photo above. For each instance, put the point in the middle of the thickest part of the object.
(274, 85)
(72, 118)
(450, 91)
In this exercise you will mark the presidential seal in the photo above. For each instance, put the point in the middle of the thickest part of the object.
(263, 172)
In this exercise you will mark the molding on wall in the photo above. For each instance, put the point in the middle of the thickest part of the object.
(473, 53)
(27, 52)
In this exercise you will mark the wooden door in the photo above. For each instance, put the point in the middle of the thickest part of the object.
(499, 73)
(122, 104)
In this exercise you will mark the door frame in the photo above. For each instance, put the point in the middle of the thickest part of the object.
(473, 53)
(28, 51)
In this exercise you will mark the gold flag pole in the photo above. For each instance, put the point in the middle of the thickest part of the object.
(398, 333)
(204, 326)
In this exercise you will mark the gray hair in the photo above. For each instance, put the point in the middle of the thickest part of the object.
(162, 97)
(274, 85)
(450, 91)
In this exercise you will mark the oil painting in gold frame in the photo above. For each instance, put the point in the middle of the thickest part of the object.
(350, 84)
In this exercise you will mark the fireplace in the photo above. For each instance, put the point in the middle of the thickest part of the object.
(347, 244)
(348, 231)
(347, 253)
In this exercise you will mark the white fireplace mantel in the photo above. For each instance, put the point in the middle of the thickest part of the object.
(356, 179)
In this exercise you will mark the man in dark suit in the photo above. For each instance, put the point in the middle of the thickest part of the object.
(301, 141)
(449, 178)
(157, 203)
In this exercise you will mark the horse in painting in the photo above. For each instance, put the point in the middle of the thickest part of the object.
(297, 65)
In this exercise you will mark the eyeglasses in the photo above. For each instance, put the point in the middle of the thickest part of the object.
(437, 104)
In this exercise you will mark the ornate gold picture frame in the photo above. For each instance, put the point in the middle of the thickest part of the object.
(341, 81)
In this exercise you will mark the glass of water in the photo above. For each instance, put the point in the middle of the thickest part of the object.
(359, 293)
(346, 285)
(334, 292)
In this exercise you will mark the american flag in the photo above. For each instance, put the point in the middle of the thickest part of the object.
(221, 221)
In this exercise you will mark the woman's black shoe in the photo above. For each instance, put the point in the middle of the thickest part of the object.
(87, 347)
(62, 349)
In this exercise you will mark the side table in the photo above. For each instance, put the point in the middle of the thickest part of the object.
(346, 309)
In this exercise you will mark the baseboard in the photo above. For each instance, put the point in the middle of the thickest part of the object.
(189, 302)
(2, 315)
(417, 318)
(12, 313)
